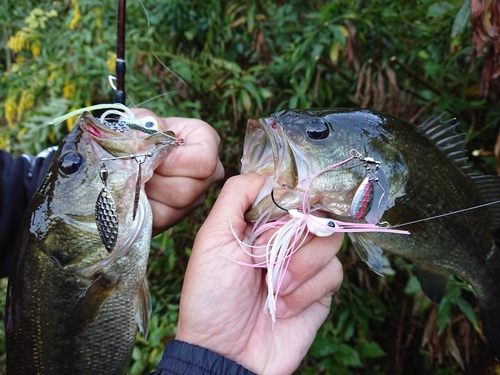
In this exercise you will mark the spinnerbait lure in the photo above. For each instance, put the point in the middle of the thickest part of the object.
(293, 228)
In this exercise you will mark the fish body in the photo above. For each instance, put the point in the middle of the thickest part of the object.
(426, 177)
(73, 303)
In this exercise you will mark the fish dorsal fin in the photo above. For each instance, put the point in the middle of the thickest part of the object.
(489, 187)
(444, 135)
(369, 252)
(433, 284)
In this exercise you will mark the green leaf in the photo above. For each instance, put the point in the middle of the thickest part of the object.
(466, 308)
(431, 67)
(334, 52)
(347, 355)
(246, 101)
(340, 33)
(413, 286)
(443, 317)
(321, 347)
(438, 9)
(423, 54)
(370, 349)
(461, 19)
(317, 50)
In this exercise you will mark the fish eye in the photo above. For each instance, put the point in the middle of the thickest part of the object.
(70, 162)
(317, 130)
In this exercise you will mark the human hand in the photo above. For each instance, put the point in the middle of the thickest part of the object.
(222, 302)
(178, 184)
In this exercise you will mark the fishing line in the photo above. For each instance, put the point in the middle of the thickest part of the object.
(170, 70)
(151, 99)
(446, 214)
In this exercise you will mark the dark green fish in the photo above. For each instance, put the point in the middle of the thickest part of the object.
(76, 293)
(398, 174)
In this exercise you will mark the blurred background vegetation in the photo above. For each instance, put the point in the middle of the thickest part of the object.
(227, 60)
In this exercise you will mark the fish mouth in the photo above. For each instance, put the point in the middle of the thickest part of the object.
(268, 153)
(118, 144)
(260, 149)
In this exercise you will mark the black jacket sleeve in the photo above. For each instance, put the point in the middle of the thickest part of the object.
(19, 179)
(180, 358)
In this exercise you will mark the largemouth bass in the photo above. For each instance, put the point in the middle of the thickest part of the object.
(393, 174)
(78, 288)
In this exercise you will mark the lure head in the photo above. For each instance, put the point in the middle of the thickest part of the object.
(291, 146)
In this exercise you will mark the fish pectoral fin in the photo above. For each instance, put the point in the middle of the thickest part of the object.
(144, 308)
(433, 284)
(369, 252)
(89, 305)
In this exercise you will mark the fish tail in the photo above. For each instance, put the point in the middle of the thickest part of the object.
(490, 316)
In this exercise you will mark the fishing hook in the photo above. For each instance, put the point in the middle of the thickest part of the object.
(276, 203)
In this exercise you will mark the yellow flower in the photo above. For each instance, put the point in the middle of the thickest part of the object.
(10, 108)
(4, 143)
(52, 136)
(35, 19)
(36, 48)
(76, 17)
(18, 41)
(25, 102)
(69, 90)
(111, 62)
(98, 21)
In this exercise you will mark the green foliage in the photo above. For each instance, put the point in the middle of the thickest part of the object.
(224, 61)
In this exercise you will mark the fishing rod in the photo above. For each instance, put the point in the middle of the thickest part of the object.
(120, 53)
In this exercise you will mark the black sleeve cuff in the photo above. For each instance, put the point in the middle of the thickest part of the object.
(180, 358)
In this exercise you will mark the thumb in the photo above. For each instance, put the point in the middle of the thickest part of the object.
(236, 196)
